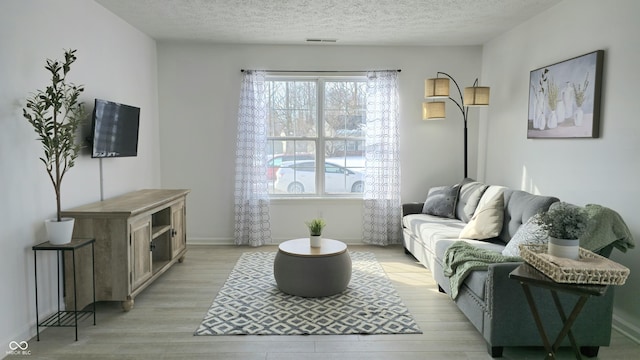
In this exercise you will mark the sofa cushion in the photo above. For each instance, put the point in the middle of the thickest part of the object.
(486, 223)
(529, 233)
(413, 221)
(430, 228)
(470, 193)
(519, 206)
(441, 201)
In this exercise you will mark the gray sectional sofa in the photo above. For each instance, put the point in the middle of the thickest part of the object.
(494, 303)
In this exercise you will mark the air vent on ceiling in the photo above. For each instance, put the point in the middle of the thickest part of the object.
(322, 40)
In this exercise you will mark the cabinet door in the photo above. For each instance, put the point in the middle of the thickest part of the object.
(178, 233)
(141, 260)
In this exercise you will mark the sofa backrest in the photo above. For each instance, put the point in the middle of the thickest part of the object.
(519, 206)
(469, 196)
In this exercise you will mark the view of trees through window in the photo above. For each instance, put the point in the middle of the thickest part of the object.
(308, 114)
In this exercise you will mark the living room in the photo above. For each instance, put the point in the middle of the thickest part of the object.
(188, 93)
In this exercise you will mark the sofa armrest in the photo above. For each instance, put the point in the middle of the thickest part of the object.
(412, 208)
(508, 318)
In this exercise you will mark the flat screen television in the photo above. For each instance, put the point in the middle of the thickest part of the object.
(114, 129)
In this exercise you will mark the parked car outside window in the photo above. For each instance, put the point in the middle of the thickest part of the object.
(300, 178)
(276, 161)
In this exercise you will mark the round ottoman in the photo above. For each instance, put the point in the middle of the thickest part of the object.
(307, 271)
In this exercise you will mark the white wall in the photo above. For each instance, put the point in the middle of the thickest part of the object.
(115, 62)
(199, 85)
(602, 171)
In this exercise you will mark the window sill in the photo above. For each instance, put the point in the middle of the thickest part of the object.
(282, 200)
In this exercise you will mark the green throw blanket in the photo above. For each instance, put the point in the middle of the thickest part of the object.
(605, 227)
(461, 258)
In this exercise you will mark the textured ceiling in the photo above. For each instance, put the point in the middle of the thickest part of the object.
(352, 22)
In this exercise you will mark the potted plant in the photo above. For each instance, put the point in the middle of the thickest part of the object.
(315, 231)
(552, 99)
(579, 93)
(565, 224)
(55, 114)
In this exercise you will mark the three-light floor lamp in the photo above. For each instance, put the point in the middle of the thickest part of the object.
(438, 88)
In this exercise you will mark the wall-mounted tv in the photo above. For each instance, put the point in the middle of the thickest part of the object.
(114, 129)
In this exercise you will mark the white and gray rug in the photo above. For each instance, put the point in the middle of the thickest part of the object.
(250, 303)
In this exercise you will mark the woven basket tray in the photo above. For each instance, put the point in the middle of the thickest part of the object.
(590, 269)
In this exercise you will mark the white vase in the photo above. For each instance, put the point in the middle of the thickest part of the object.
(552, 123)
(566, 248)
(315, 240)
(568, 96)
(539, 120)
(59, 232)
(560, 111)
(579, 115)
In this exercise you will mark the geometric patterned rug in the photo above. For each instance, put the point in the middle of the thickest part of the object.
(250, 303)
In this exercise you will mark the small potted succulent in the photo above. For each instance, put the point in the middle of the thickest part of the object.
(315, 231)
(565, 224)
(56, 114)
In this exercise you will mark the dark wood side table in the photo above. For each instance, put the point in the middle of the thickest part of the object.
(67, 318)
(528, 276)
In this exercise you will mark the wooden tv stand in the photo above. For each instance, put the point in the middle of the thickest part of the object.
(139, 235)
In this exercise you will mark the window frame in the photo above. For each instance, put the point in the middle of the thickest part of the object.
(320, 139)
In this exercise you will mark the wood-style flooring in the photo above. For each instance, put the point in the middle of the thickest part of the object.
(165, 315)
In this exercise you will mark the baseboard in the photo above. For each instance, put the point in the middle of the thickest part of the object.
(231, 241)
(626, 328)
(210, 241)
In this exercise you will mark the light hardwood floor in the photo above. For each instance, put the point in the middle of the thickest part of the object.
(165, 315)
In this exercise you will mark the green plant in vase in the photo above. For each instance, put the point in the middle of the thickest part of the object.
(315, 231)
(56, 114)
(315, 226)
(552, 100)
(579, 94)
(565, 224)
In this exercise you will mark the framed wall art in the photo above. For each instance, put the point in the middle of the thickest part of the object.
(564, 98)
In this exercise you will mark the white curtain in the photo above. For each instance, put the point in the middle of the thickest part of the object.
(382, 206)
(252, 225)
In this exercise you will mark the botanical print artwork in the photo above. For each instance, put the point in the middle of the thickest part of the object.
(564, 98)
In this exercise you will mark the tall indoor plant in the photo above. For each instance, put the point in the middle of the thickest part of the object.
(56, 114)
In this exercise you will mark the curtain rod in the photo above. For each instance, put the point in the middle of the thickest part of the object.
(318, 71)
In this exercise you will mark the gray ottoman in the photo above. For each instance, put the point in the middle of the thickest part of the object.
(304, 271)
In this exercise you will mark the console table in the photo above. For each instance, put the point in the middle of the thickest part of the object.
(528, 276)
(139, 236)
(66, 318)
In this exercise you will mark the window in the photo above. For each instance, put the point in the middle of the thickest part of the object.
(316, 132)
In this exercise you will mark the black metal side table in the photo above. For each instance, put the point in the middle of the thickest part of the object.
(527, 275)
(67, 318)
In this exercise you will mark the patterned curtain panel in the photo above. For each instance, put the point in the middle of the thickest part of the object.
(382, 206)
(251, 192)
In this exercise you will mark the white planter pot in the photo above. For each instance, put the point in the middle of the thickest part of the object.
(59, 232)
(316, 241)
(566, 248)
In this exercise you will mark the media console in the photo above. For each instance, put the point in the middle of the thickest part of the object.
(139, 235)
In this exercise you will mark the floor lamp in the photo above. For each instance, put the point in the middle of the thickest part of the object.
(438, 88)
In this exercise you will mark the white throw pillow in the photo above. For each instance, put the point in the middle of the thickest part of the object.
(486, 222)
(529, 233)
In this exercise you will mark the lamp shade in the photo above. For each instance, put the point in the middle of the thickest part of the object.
(476, 96)
(436, 88)
(433, 110)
